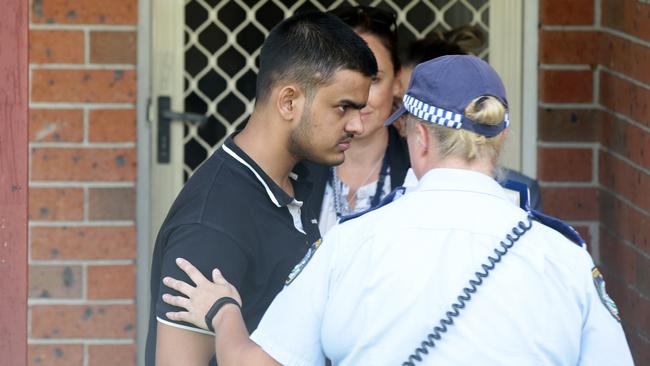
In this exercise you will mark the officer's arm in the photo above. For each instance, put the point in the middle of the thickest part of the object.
(178, 342)
(603, 341)
(233, 344)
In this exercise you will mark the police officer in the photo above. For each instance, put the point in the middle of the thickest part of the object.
(450, 274)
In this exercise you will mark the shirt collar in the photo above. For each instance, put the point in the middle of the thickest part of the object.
(277, 195)
(445, 179)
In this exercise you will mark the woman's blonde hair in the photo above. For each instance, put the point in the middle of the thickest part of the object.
(465, 144)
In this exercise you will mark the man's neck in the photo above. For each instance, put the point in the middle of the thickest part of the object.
(267, 147)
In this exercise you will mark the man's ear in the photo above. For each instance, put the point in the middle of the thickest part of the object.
(290, 102)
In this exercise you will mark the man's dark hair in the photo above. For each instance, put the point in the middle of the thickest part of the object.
(308, 49)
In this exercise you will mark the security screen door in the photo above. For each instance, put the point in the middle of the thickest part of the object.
(205, 63)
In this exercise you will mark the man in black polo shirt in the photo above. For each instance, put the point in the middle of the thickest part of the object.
(239, 212)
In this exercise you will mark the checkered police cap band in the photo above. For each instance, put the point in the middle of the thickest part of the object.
(450, 119)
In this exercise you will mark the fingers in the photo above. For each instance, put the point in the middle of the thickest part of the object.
(178, 285)
(217, 277)
(181, 316)
(194, 274)
(178, 301)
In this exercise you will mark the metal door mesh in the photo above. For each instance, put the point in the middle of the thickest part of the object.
(222, 45)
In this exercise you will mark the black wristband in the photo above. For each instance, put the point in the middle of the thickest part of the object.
(215, 309)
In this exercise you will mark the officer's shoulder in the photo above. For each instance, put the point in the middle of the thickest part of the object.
(559, 226)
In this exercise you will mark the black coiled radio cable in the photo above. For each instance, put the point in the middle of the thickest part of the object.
(467, 292)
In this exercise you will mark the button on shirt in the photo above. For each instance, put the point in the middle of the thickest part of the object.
(230, 215)
(380, 283)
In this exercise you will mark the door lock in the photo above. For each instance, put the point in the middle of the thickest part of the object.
(165, 118)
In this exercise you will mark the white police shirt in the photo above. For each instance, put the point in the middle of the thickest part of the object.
(379, 284)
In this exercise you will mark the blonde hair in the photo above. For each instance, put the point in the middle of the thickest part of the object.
(465, 144)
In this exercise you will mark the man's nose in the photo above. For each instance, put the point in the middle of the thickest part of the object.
(354, 125)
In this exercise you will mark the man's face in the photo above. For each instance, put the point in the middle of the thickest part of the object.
(331, 120)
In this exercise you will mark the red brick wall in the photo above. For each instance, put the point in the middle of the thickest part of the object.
(82, 136)
(594, 140)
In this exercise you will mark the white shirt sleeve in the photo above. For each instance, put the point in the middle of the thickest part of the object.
(290, 330)
(603, 341)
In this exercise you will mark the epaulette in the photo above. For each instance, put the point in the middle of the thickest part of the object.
(392, 196)
(560, 226)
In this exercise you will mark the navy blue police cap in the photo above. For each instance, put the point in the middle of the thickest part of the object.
(441, 89)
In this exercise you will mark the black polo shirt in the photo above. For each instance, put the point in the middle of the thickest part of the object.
(230, 215)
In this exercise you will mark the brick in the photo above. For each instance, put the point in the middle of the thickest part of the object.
(574, 125)
(84, 164)
(626, 57)
(111, 204)
(111, 282)
(568, 47)
(565, 164)
(83, 321)
(113, 47)
(56, 203)
(110, 355)
(560, 86)
(642, 306)
(112, 125)
(640, 348)
(619, 176)
(625, 97)
(83, 243)
(566, 12)
(642, 280)
(85, 12)
(626, 139)
(626, 222)
(617, 256)
(54, 281)
(56, 46)
(628, 16)
(55, 355)
(84, 86)
(571, 203)
(55, 125)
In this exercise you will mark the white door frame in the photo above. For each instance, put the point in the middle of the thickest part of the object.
(143, 184)
(524, 28)
(515, 59)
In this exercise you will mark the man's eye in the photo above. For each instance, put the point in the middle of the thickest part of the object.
(375, 79)
(343, 108)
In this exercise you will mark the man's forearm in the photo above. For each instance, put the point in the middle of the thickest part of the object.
(233, 345)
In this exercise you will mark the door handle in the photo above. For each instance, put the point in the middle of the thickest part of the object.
(165, 118)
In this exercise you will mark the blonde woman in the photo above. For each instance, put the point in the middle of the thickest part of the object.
(450, 274)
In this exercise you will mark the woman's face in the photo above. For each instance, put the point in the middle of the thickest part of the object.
(382, 90)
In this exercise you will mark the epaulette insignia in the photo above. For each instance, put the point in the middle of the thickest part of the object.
(303, 262)
(599, 282)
